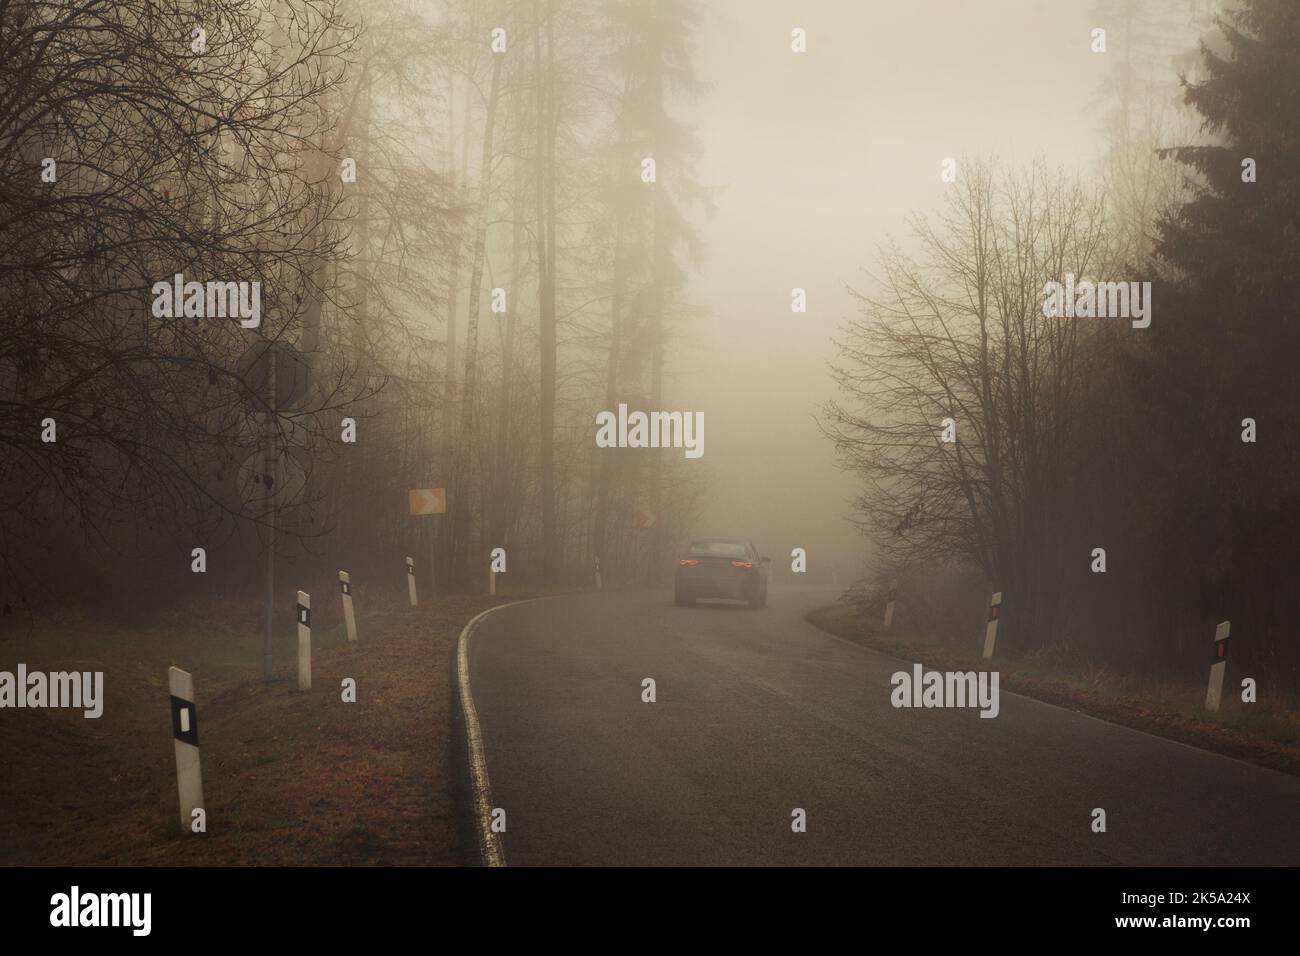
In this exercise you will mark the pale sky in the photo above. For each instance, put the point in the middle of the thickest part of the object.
(822, 156)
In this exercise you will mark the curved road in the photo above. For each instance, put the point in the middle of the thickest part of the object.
(759, 712)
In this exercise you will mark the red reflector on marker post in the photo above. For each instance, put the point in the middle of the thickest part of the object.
(991, 629)
(1218, 664)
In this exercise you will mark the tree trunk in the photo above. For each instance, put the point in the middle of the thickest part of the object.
(546, 283)
(611, 394)
(462, 466)
(499, 510)
(660, 279)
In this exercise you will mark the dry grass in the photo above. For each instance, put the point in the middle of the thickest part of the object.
(289, 778)
(1259, 733)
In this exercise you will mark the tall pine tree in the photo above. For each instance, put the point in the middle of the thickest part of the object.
(1223, 344)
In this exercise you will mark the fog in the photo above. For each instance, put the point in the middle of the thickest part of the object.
(366, 367)
(820, 157)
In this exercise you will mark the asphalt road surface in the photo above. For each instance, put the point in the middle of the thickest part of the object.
(759, 713)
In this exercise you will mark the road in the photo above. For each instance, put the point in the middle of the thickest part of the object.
(759, 713)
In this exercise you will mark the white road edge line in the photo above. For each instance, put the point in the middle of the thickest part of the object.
(489, 843)
(1069, 710)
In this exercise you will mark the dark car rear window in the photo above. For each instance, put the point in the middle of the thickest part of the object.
(719, 549)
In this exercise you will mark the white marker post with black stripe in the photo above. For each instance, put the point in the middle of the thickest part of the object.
(1218, 664)
(889, 605)
(349, 615)
(185, 739)
(304, 640)
(991, 629)
(410, 579)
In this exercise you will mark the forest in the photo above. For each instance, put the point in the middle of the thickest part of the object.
(1125, 486)
(268, 267)
(441, 216)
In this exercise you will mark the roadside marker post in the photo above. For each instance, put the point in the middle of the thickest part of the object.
(1218, 664)
(889, 607)
(991, 629)
(349, 615)
(304, 641)
(410, 579)
(185, 741)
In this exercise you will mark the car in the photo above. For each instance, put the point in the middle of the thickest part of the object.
(721, 568)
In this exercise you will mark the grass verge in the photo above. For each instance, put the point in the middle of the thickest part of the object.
(1257, 733)
(289, 778)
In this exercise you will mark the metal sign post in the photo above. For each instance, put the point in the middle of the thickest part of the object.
(428, 501)
(269, 452)
(276, 373)
(433, 568)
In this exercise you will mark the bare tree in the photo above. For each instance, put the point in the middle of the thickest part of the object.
(141, 140)
(955, 345)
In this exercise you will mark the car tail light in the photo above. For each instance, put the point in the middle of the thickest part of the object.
(742, 564)
(685, 562)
